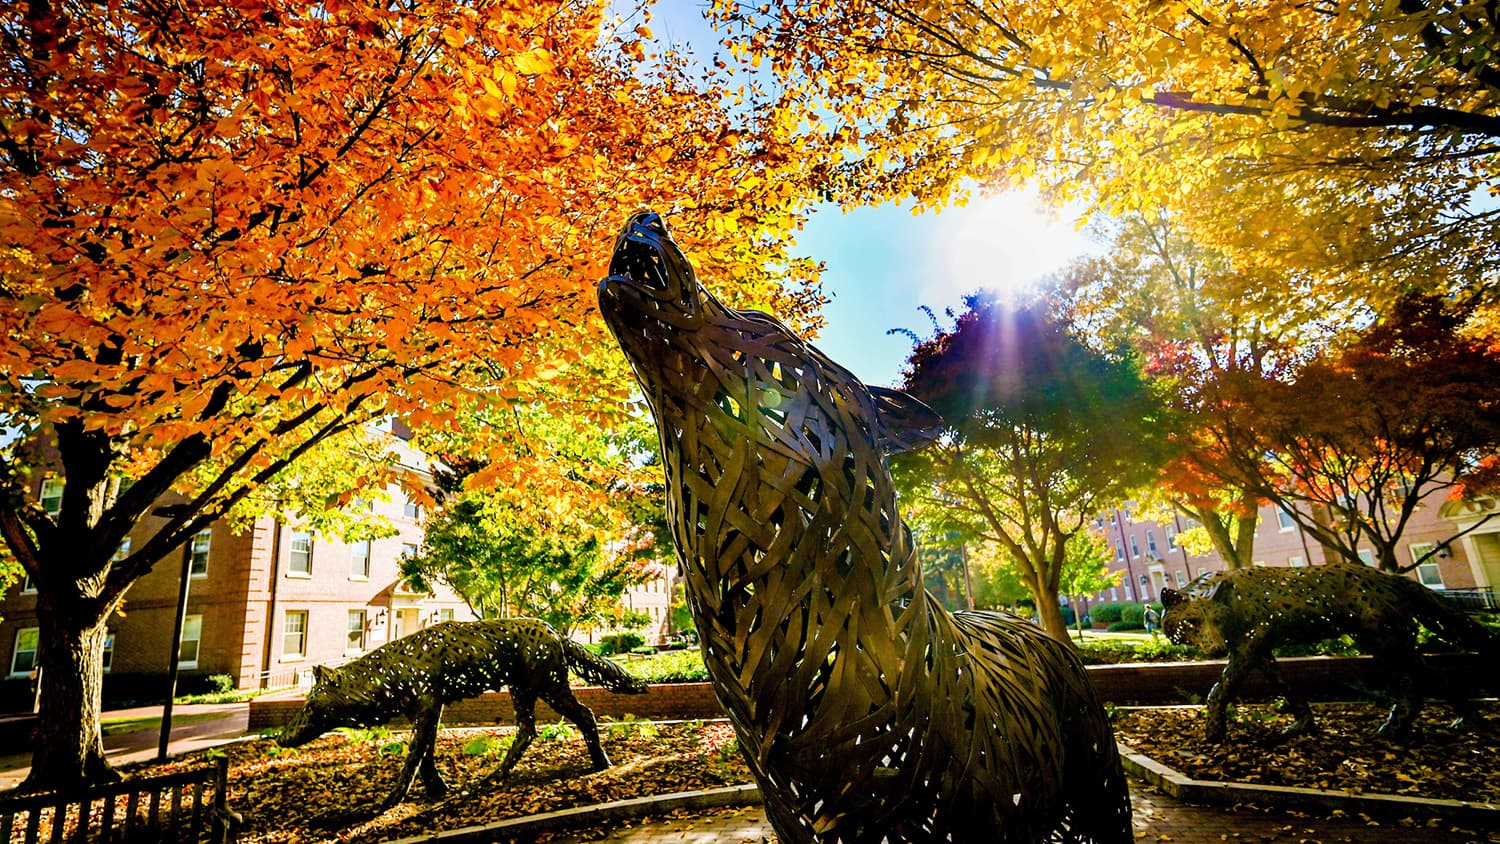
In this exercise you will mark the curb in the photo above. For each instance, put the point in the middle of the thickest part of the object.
(716, 798)
(1210, 792)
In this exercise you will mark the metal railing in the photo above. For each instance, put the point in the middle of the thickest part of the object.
(1473, 600)
(188, 806)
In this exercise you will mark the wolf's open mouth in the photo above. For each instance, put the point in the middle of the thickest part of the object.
(638, 251)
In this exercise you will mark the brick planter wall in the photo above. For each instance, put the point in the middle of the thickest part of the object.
(1318, 677)
(669, 701)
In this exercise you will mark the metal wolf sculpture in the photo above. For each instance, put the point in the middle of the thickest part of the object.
(417, 675)
(1246, 612)
(866, 711)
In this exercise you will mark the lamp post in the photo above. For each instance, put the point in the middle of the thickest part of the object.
(178, 624)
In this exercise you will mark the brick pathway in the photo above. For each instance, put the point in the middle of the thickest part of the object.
(1158, 818)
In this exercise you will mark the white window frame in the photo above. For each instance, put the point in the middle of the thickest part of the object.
(1296, 561)
(445, 614)
(1367, 557)
(1135, 547)
(200, 545)
(109, 651)
(1181, 577)
(410, 509)
(1151, 542)
(355, 555)
(287, 636)
(51, 489)
(28, 586)
(192, 631)
(355, 625)
(1284, 521)
(122, 552)
(15, 651)
(1429, 574)
(294, 553)
(1171, 538)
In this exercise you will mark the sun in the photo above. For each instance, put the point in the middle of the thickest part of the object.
(1004, 242)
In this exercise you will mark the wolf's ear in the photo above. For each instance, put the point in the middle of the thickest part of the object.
(321, 674)
(902, 423)
(1170, 598)
(1222, 591)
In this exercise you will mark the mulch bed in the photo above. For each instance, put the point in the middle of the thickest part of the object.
(329, 789)
(1342, 754)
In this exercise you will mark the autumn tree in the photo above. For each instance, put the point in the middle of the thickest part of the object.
(1346, 138)
(1357, 441)
(1042, 431)
(1086, 571)
(233, 231)
(1194, 317)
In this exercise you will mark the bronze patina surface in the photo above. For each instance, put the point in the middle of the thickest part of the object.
(1244, 613)
(867, 711)
(416, 675)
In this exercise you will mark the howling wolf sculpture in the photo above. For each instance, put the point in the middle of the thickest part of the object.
(417, 675)
(866, 711)
(1246, 612)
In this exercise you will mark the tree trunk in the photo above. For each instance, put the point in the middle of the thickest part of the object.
(69, 747)
(1051, 616)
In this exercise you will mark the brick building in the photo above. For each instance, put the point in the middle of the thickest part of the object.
(1152, 559)
(263, 605)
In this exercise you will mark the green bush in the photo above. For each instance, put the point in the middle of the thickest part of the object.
(1106, 613)
(1133, 616)
(684, 666)
(644, 650)
(1115, 652)
(620, 643)
(1120, 626)
(1069, 617)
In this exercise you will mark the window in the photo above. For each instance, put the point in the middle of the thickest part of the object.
(1171, 538)
(408, 549)
(294, 635)
(1119, 551)
(1113, 519)
(300, 560)
(123, 551)
(359, 560)
(109, 651)
(51, 498)
(1367, 557)
(1202, 571)
(1296, 561)
(1284, 521)
(1427, 571)
(445, 614)
(28, 585)
(1145, 585)
(1135, 548)
(199, 564)
(23, 658)
(411, 509)
(1151, 541)
(355, 640)
(187, 651)
(1181, 579)
(1114, 594)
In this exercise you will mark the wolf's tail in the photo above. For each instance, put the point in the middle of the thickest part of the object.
(597, 669)
(1450, 623)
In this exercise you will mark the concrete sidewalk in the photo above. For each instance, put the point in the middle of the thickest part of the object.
(228, 722)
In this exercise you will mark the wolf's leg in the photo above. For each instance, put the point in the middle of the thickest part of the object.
(568, 706)
(424, 733)
(1403, 667)
(1296, 704)
(432, 778)
(1228, 687)
(525, 705)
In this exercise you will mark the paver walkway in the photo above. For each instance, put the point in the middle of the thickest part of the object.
(1158, 818)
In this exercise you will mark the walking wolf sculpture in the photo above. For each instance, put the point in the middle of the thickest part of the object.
(417, 675)
(866, 711)
(1247, 612)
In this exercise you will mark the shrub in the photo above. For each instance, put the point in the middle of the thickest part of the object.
(1133, 616)
(620, 643)
(1119, 626)
(221, 683)
(1069, 617)
(1106, 613)
(685, 666)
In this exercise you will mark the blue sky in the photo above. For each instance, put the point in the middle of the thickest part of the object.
(883, 264)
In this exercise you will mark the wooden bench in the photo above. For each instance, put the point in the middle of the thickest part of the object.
(187, 806)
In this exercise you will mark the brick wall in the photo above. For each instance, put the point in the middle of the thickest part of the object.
(1325, 678)
(664, 702)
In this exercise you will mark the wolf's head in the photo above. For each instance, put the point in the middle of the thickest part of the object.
(741, 372)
